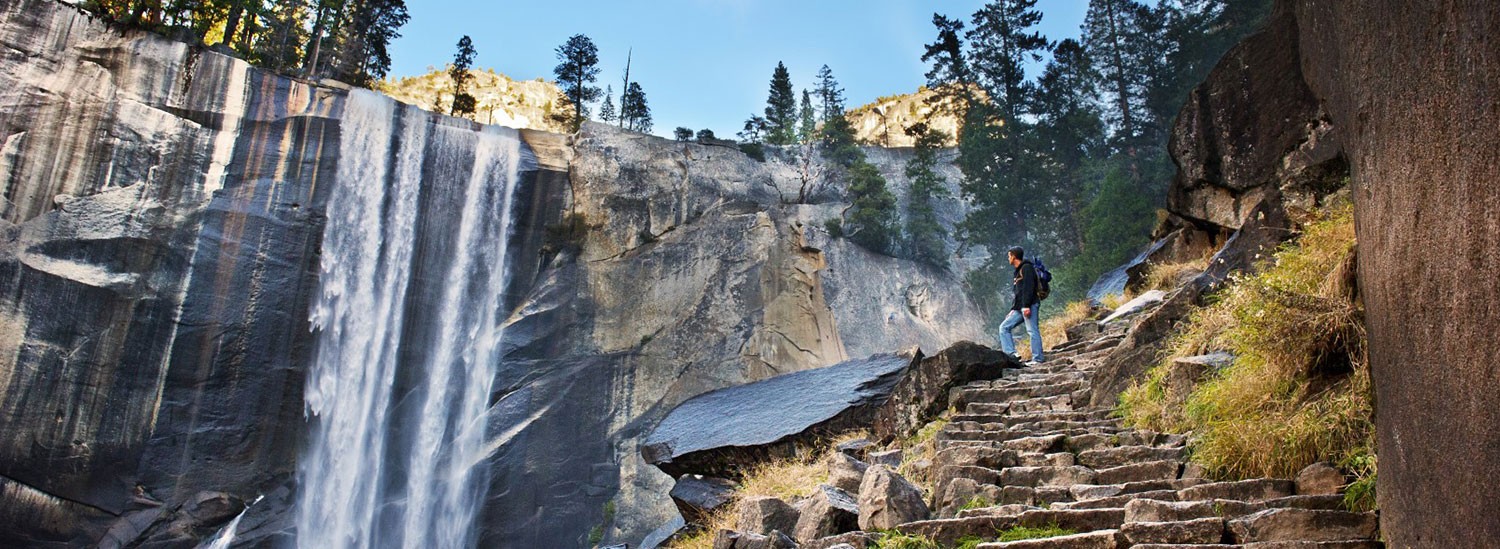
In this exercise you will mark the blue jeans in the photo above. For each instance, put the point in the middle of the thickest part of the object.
(1033, 327)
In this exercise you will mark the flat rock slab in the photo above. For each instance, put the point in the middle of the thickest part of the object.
(1105, 539)
(1135, 305)
(711, 432)
(1204, 530)
(1244, 490)
(1304, 525)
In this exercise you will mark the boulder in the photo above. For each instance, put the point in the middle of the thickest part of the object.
(887, 499)
(1304, 525)
(888, 458)
(829, 512)
(730, 539)
(851, 540)
(1319, 479)
(714, 432)
(696, 495)
(919, 397)
(845, 472)
(856, 448)
(764, 514)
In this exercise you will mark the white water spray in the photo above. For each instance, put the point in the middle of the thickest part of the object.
(397, 430)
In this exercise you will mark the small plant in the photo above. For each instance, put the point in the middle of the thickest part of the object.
(834, 227)
(969, 542)
(755, 151)
(976, 502)
(897, 540)
(1360, 495)
(1022, 532)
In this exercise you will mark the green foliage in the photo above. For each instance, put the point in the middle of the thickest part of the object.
(950, 78)
(706, 135)
(1019, 533)
(969, 542)
(897, 540)
(607, 110)
(830, 96)
(781, 109)
(870, 218)
(1001, 44)
(807, 128)
(924, 235)
(458, 72)
(635, 114)
(835, 228)
(1298, 391)
(683, 134)
(755, 151)
(576, 71)
(976, 502)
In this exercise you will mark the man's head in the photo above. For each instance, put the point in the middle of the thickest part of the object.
(1016, 255)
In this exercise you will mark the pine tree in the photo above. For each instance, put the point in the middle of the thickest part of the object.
(924, 235)
(463, 102)
(1000, 44)
(279, 46)
(577, 69)
(808, 128)
(870, 219)
(1070, 131)
(607, 110)
(950, 80)
(1109, 32)
(781, 108)
(830, 95)
(634, 111)
(683, 134)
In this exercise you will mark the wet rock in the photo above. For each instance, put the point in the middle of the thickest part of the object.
(829, 512)
(713, 432)
(887, 499)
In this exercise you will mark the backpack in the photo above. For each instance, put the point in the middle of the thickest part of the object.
(1043, 279)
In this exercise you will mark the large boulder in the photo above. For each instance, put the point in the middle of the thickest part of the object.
(763, 514)
(1415, 104)
(829, 512)
(697, 496)
(845, 472)
(920, 396)
(715, 432)
(886, 499)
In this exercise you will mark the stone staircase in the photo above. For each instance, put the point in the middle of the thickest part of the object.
(1026, 450)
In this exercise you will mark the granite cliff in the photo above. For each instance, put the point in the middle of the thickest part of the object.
(165, 218)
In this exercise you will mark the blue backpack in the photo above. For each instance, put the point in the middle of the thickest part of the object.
(1043, 279)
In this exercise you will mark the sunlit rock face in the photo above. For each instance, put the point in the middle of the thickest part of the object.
(164, 213)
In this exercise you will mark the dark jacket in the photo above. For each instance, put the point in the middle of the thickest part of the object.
(1024, 284)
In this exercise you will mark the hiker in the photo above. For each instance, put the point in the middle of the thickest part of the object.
(1025, 307)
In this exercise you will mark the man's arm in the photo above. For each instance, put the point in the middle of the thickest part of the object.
(1026, 295)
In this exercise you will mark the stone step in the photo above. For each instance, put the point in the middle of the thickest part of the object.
(1078, 520)
(1003, 414)
(1046, 476)
(1140, 472)
(1104, 539)
(1348, 544)
(962, 396)
(947, 532)
(1288, 524)
(990, 457)
(1156, 508)
(1044, 444)
(1085, 492)
(1055, 459)
(1125, 455)
(1121, 500)
(1039, 496)
(1059, 425)
(1244, 490)
(1204, 530)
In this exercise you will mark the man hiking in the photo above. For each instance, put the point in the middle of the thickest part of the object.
(1025, 307)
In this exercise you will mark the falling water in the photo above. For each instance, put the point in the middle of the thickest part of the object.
(398, 411)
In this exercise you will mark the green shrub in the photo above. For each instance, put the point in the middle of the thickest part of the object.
(1298, 390)
(898, 540)
(1019, 533)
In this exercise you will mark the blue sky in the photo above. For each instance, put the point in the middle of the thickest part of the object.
(702, 63)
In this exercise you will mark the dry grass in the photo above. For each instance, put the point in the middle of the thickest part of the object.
(1169, 276)
(703, 538)
(922, 446)
(1299, 389)
(789, 479)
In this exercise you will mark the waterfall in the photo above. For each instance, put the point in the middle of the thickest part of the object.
(398, 391)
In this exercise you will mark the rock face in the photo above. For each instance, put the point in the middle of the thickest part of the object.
(1415, 106)
(922, 394)
(162, 216)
